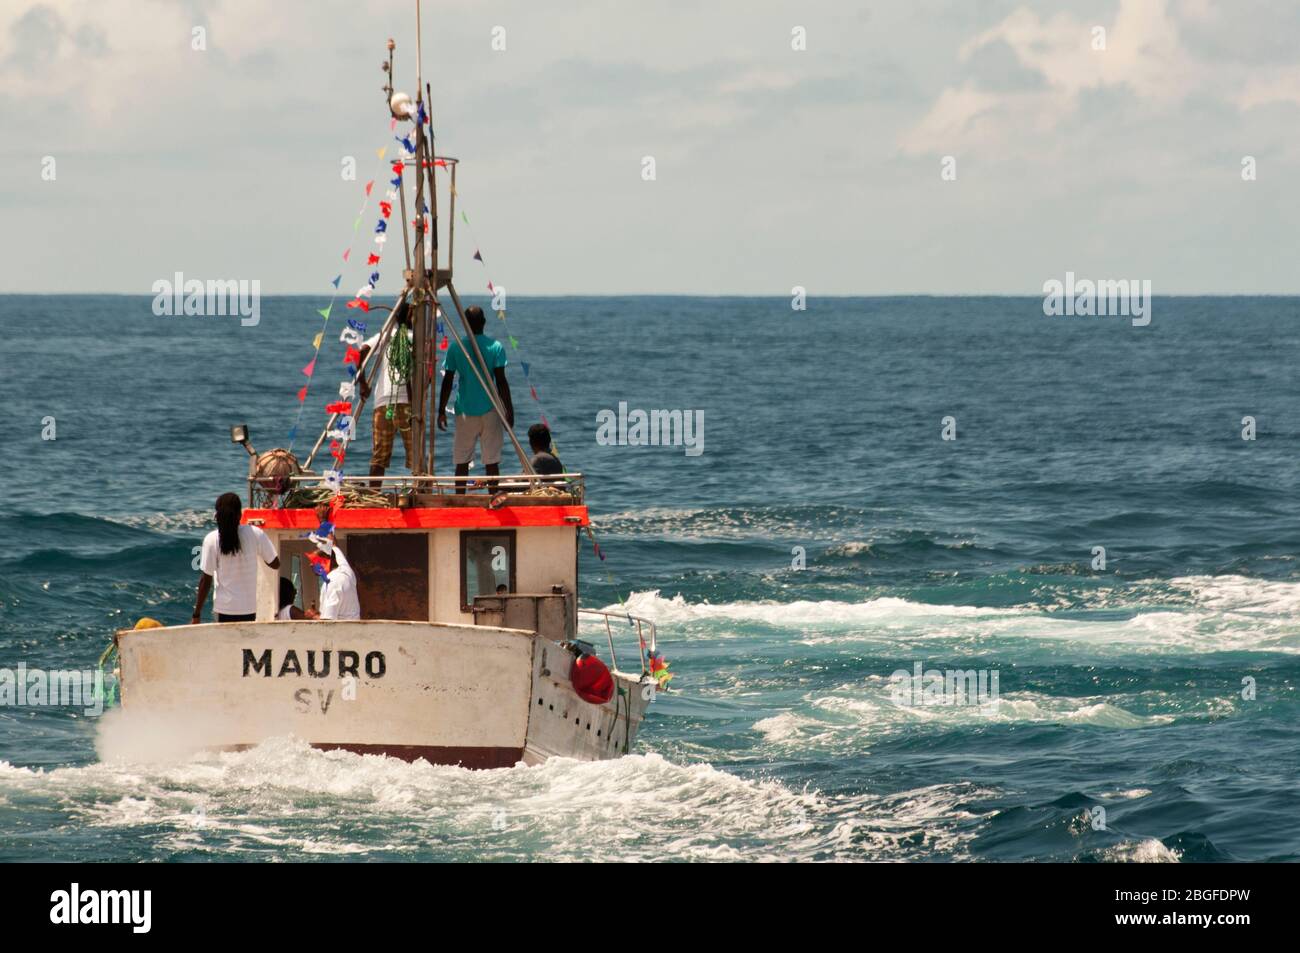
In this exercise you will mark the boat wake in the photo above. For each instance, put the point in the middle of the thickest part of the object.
(285, 799)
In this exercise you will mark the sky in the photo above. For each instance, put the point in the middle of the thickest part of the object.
(774, 167)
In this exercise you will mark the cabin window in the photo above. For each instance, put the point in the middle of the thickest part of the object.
(487, 563)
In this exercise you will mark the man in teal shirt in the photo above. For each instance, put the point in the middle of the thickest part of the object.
(476, 421)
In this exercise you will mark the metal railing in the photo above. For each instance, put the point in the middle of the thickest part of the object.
(644, 629)
(401, 489)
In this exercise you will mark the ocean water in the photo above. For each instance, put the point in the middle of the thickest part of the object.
(1123, 688)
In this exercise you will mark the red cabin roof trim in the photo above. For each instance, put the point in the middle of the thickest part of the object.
(460, 517)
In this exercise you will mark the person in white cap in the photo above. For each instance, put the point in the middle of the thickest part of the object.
(340, 598)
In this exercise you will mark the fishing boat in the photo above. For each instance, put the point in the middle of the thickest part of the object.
(469, 647)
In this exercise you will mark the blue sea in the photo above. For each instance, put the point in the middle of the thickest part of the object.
(827, 537)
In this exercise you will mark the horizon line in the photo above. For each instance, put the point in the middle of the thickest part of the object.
(681, 294)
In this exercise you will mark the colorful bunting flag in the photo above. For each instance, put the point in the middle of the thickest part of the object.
(310, 368)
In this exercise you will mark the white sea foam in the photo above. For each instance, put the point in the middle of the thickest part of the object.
(283, 797)
(851, 718)
(184, 521)
(666, 611)
(1225, 614)
(1148, 851)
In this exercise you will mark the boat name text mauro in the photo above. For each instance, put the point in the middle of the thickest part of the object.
(349, 664)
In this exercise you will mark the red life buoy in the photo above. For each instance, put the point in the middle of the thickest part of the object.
(591, 680)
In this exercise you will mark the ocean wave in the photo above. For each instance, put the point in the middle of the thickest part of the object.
(1145, 851)
(854, 716)
(675, 609)
(1222, 614)
(287, 799)
(182, 522)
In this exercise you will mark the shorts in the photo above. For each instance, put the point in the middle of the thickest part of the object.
(487, 430)
(385, 430)
(224, 617)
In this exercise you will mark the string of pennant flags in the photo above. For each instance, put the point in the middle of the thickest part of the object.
(309, 370)
(658, 664)
(353, 335)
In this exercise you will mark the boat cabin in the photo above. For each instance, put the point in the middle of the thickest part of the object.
(423, 552)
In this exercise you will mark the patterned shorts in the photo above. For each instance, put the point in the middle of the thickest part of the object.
(386, 430)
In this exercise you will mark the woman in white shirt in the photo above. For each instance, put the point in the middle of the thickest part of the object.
(228, 565)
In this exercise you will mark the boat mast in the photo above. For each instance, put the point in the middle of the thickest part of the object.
(423, 281)
(422, 298)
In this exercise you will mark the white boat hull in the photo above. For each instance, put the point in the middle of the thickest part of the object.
(477, 696)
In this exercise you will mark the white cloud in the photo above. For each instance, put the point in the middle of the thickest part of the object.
(1143, 54)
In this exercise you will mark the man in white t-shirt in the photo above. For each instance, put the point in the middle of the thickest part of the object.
(392, 397)
(228, 564)
(339, 601)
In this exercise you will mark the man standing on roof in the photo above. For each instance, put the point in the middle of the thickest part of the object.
(392, 413)
(476, 420)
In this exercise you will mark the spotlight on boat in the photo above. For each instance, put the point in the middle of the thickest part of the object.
(239, 435)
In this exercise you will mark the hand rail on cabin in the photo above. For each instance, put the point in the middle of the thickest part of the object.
(571, 484)
(639, 624)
